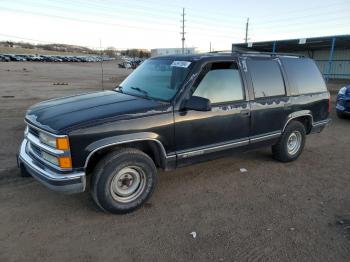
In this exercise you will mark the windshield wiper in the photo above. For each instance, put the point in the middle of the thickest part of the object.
(119, 89)
(141, 91)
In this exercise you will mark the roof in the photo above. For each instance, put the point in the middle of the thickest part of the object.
(196, 57)
(172, 48)
(297, 45)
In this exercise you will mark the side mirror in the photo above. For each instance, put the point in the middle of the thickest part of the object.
(198, 104)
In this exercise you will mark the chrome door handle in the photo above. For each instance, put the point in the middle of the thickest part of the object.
(245, 112)
(288, 105)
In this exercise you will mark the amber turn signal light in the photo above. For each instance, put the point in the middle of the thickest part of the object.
(65, 162)
(62, 143)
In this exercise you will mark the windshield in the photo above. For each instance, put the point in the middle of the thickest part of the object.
(157, 79)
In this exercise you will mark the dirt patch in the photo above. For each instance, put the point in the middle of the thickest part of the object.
(272, 212)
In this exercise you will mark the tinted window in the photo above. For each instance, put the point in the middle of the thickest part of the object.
(267, 78)
(221, 82)
(303, 75)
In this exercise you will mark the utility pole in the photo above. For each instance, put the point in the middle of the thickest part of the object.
(246, 31)
(101, 52)
(183, 31)
(210, 47)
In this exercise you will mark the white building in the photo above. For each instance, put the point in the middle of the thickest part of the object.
(172, 51)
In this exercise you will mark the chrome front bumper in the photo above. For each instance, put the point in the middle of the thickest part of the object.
(67, 182)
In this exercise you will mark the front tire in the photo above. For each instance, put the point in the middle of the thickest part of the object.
(291, 143)
(24, 172)
(123, 180)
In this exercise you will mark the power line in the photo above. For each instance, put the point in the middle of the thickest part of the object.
(160, 12)
(307, 17)
(213, 21)
(152, 19)
(228, 15)
(158, 17)
(84, 20)
(312, 24)
(304, 10)
(109, 23)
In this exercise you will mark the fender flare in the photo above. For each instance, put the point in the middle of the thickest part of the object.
(297, 114)
(98, 145)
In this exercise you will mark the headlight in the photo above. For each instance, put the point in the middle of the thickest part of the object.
(342, 90)
(50, 158)
(47, 139)
(61, 161)
(61, 143)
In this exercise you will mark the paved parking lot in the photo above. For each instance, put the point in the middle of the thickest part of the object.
(297, 211)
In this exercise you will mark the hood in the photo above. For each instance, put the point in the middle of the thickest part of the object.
(63, 114)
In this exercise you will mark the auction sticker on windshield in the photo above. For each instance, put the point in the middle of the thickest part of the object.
(183, 64)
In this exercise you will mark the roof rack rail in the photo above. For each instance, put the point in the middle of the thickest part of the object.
(220, 51)
(266, 53)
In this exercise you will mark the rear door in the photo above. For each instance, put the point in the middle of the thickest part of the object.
(270, 103)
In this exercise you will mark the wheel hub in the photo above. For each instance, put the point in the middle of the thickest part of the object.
(294, 142)
(127, 184)
(125, 181)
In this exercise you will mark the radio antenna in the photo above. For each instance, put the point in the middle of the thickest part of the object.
(101, 59)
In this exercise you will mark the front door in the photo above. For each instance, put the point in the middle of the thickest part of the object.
(226, 125)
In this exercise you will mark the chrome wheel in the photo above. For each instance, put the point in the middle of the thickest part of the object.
(128, 184)
(294, 142)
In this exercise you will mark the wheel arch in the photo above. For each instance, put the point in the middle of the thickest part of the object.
(147, 144)
(304, 116)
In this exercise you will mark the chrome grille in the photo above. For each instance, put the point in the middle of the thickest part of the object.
(33, 131)
(35, 148)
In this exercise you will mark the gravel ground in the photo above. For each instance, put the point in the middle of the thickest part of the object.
(297, 211)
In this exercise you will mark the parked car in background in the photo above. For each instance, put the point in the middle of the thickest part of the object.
(52, 58)
(343, 102)
(172, 111)
(125, 64)
(4, 58)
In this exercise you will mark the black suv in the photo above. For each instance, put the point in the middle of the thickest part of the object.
(172, 111)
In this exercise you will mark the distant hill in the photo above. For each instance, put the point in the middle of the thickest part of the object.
(10, 47)
(22, 47)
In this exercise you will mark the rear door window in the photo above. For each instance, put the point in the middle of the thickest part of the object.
(266, 77)
(303, 75)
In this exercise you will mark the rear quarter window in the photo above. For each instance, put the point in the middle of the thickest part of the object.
(303, 75)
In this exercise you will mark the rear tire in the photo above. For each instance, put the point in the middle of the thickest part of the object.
(291, 143)
(123, 180)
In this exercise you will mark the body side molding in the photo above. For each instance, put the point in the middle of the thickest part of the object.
(264, 137)
(212, 148)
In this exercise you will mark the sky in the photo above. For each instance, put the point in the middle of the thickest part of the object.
(157, 23)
